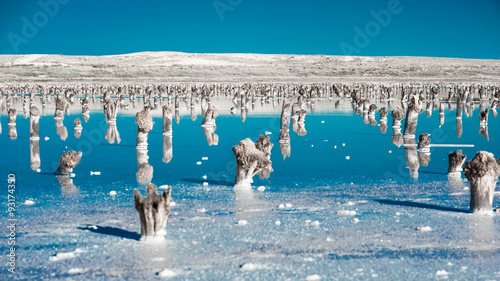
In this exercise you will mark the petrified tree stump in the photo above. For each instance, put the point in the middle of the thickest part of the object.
(397, 114)
(145, 124)
(414, 109)
(153, 211)
(482, 173)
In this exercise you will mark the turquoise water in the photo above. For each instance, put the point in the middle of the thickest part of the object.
(204, 241)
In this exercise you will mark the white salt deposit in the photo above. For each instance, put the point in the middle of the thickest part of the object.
(204, 177)
(442, 273)
(315, 223)
(29, 202)
(424, 229)
(62, 255)
(277, 222)
(172, 204)
(98, 173)
(112, 193)
(46, 138)
(343, 144)
(72, 175)
(281, 206)
(167, 273)
(313, 277)
(322, 122)
(202, 210)
(205, 183)
(198, 163)
(38, 170)
(204, 158)
(355, 220)
(242, 222)
(288, 205)
(76, 270)
(248, 266)
(346, 212)
(347, 157)
(261, 188)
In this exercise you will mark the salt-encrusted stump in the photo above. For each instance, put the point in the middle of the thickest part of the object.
(12, 114)
(145, 124)
(60, 107)
(455, 161)
(397, 114)
(252, 159)
(383, 120)
(78, 128)
(424, 143)
(110, 109)
(412, 159)
(61, 129)
(284, 139)
(414, 109)
(34, 138)
(67, 162)
(210, 115)
(371, 110)
(167, 133)
(441, 113)
(482, 173)
(153, 212)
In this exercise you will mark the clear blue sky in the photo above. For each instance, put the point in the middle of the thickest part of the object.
(460, 28)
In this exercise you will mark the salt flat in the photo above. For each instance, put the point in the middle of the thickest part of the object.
(186, 67)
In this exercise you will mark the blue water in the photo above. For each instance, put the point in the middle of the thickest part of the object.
(203, 240)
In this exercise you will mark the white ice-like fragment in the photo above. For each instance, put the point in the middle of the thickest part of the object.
(335, 146)
(449, 264)
(38, 170)
(466, 188)
(202, 210)
(248, 266)
(350, 203)
(204, 158)
(288, 205)
(198, 163)
(72, 175)
(328, 239)
(172, 204)
(308, 221)
(424, 228)
(355, 220)
(46, 138)
(204, 177)
(205, 183)
(112, 193)
(281, 206)
(390, 151)
(242, 222)
(167, 273)
(97, 173)
(347, 157)
(343, 144)
(398, 214)
(76, 270)
(313, 277)
(322, 122)
(261, 188)
(277, 222)
(346, 212)
(268, 133)
(62, 255)
(93, 227)
(315, 223)
(442, 273)
(310, 259)
(29, 202)
(312, 145)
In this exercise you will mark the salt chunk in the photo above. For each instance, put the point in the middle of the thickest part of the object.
(398, 213)
(328, 239)
(442, 273)
(322, 122)
(281, 206)
(242, 222)
(204, 158)
(355, 220)
(28, 202)
(347, 157)
(38, 170)
(202, 210)
(98, 173)
(205, 183)
(204, 177)
(346, 212)
(198, 163)
(312, 145)
(315, 223)
(313, 277)
(449, 264)
(72, 175)
(112, 193)
(343, 144)
(268, 133)
(261, 188)
(62, 255)
(335, 146)
(76, 270)
(308, 221)
(46, 138)
(390, 151)
(350, 203)
(277, 222)
(167, 273)
(248, 266)
(424, 228)
(172, 204)
(288, 205)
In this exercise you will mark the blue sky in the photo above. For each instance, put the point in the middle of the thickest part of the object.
(466, 29)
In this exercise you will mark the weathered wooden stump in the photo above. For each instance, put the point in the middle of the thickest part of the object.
(252, 159)
(67, 162)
